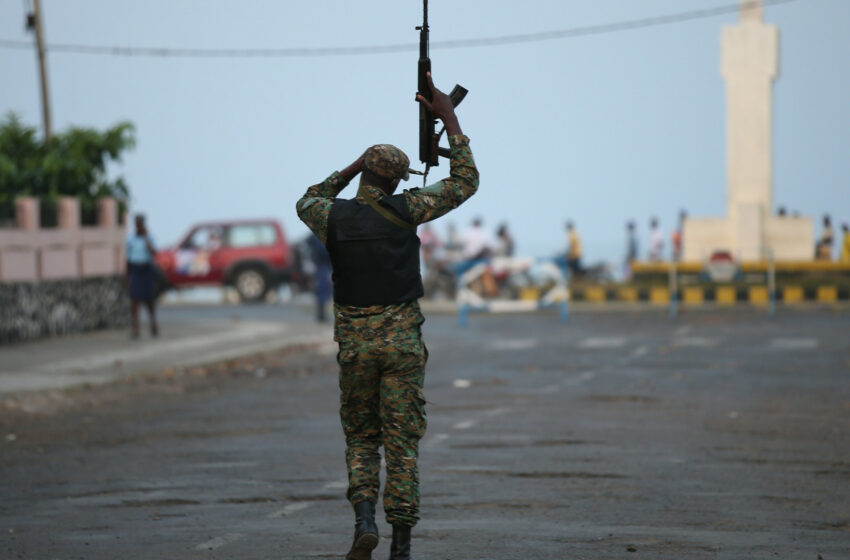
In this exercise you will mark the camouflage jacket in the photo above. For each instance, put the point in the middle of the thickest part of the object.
(424, 204)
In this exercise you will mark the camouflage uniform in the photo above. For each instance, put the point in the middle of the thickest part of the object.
(381, 353)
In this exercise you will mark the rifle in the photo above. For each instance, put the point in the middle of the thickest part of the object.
(429, 140)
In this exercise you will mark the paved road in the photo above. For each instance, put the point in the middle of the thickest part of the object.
(620, 435)
(190, 335)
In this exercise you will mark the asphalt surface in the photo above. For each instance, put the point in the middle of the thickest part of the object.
(190, 335)
(722, 435)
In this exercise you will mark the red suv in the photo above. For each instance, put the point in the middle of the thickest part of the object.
(250, 255)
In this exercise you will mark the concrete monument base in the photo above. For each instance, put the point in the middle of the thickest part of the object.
(753, 238)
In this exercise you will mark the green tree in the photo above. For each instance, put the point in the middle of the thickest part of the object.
(73, 163)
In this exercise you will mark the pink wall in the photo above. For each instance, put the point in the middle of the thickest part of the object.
(29, 253)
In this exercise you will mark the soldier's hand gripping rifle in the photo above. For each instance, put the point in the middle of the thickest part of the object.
(429, 140)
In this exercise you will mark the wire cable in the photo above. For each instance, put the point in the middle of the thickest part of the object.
(626, 25)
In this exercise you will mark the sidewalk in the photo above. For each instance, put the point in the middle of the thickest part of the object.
(104, 356)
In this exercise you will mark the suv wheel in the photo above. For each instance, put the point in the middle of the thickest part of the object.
(251, 284)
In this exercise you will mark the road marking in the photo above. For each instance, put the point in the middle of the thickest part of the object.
(290, 509)
(462, 383)
(683, 330)
(496, 411)
(794, 343)
(602, 342)
(465, 425)
(470, 468)
(508, 345)
(223, 465)
(695, 342)
(436, 439)
(578, 379)
(218, 542)
(640, 351)
(336, 485)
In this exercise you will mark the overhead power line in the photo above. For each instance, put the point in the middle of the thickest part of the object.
(568, 33)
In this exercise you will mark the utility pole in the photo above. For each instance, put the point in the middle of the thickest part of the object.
(34, 22)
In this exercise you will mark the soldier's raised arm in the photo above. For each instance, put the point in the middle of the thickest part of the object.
(447, 194)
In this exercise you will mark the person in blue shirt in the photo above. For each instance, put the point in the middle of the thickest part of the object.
(322, 279)
(141, 275)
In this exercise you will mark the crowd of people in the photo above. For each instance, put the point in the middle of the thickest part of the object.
(441, 255)
(477, 243)
(473, 244)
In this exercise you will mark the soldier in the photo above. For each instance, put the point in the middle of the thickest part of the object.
(377, 322)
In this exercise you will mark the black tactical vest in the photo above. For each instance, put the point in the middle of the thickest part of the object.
(375, 262)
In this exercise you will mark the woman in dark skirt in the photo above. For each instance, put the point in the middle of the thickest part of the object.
(141, 276)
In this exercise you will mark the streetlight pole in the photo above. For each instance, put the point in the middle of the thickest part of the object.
(35, 21)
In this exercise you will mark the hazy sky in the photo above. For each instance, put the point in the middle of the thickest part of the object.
(597, 129)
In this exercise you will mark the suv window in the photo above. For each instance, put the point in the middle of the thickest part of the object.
(205, 237)
(255, 235)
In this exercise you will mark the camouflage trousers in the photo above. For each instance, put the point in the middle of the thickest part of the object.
(382, 403)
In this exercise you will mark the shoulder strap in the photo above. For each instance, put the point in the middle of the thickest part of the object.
(389, 216)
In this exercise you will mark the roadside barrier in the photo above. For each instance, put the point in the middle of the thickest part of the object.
(721, 295)
(727, 284)
(544, 283)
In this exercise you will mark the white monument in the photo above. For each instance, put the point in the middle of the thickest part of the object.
(751, 231)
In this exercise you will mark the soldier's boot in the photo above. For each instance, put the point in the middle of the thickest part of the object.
(365, 532)
(400, 547)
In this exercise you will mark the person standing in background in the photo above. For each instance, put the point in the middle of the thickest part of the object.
(476, 242)
(430, 242)
(321, 277)
(504, 242)
(573, 249)
(827, 237)
(631, 249)
(845, 248)
(141, 276)
(656, 241)
(477, 245)
(454, 245)
(677, 237)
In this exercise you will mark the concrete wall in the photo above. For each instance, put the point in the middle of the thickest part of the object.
(791, 239)
(30, 253)
(32, 310)
(63, 279)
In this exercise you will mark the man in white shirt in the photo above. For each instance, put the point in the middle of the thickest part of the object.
(476, 241)
(656, 241)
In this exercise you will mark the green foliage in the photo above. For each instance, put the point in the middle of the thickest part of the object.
(73, 163)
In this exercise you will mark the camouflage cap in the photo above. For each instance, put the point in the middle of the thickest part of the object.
(387, 161)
